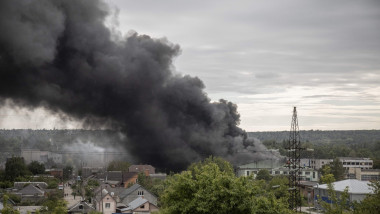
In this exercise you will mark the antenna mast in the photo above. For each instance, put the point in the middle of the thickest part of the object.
(294, 165)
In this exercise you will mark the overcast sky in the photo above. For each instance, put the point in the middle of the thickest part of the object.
(265, 56)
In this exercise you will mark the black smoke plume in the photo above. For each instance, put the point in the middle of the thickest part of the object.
(60, 55)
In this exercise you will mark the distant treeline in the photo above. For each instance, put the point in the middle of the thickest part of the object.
(328, 144)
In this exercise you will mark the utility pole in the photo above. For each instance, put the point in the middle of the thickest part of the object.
(294, 165)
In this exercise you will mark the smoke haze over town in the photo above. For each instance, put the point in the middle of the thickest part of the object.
(115, 65)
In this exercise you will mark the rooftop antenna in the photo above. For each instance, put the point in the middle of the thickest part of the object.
(294, 164)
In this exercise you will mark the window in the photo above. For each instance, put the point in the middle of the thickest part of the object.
(277, 172)
(247, 173)
(307, 173)
(142, 207)
(313, 174)
(80, 207)
(140, 192)
(108, 205)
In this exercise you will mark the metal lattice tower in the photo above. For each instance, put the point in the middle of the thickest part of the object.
(293, 163)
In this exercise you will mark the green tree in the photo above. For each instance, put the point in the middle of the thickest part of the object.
(327, 176)
(118, 166)
(371, 203)
(208, 189)
(223, 165)
(337, 169)
(6, 208)
(338, 205)
(67, 172)
(263, 174)
(36, 168)
(15, 167)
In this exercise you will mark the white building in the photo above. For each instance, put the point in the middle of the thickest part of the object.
(357, 190)
(314, 163)
(254, 167)
(275, 168)
(362, 163)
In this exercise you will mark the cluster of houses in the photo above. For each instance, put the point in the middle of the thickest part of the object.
(119, 192)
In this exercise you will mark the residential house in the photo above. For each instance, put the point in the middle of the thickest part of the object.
(88, 171)
(20, 185)
(81, 207)
(357, 190)
(57, 173)
(146, 169)
(139, 205)
(105, 202)
(130, 178)
(134, 192)
(31, 193)
(112, 177)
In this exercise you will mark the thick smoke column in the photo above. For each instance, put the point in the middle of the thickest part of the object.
(60, 54)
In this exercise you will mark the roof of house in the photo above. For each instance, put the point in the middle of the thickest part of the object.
(354, 186)
(128, 191)
(21, 185)
(127, 175)
(31, 190)
(137, 203)
(25, 209)
(86, 207)
(141, 168)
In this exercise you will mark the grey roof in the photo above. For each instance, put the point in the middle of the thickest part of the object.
(115, 190)
(137, 203)
(20, 185)
(354, 186)
(31, 190)
(86, 207)
(128, 191)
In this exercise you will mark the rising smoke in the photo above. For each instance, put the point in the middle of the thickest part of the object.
(60, 55)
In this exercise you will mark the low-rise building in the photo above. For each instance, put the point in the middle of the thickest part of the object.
(254, 167)
(357, 190)
(136, 191)
(362, 163)
(363, 174)
(105, 202)
(314, 163)
(139, 205)
(130, 178)
(81, 207)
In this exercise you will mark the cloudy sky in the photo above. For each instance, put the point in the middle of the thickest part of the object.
(265, 56)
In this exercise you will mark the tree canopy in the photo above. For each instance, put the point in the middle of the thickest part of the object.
(208, 189)
(15, 167)
(118, 166)
(36, 167)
